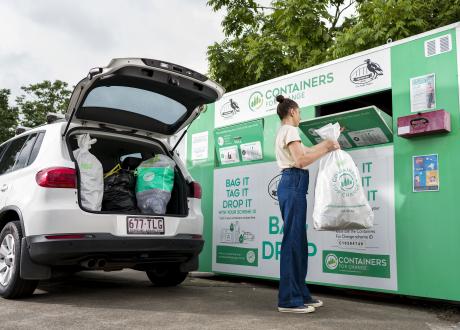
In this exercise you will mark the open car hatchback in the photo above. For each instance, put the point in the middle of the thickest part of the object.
(129, 109)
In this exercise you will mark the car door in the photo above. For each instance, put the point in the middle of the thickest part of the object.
(3, 147)
(15, 156)
(141, 95)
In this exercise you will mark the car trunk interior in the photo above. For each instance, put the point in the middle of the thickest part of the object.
(112, 149)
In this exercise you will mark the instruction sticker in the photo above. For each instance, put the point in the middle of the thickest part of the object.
(229, 155)
(344, 143)
(426, 173)
(200, 146)
(368, 137)
(251, 151)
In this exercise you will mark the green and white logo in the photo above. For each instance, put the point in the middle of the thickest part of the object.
(345, 182)
(220, 141)
(256, 100)
(331, 261)
(148, 177)
(86, 166)
(358, 264)
(251, 257)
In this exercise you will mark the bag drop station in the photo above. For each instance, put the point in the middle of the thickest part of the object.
(399, 104)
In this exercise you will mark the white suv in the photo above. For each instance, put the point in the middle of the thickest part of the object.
(131, 107)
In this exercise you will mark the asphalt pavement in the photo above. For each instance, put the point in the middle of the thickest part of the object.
(126, 299)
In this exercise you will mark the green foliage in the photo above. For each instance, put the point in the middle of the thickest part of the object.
(243, 15)
(266, 42)
(379, 21)
(8, 116)
(41, 99)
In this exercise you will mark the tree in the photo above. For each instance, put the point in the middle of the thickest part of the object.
(41, 99)
(8, 116)
(379, 21)
(264, 42)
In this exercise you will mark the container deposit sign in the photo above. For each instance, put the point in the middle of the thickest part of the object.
(248, 229)
(325, 83)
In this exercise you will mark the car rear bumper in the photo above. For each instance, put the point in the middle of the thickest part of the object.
(114, 250)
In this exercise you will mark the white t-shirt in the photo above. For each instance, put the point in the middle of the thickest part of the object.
(286, 134)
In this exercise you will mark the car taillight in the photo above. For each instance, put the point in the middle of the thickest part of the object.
(57, 177)
(195, 190)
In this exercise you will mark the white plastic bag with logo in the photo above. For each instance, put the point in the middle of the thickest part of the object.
(91, 174)
(340, 202)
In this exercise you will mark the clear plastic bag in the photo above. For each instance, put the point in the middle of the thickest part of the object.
(154, 183)
(91, 174)
(340, 202)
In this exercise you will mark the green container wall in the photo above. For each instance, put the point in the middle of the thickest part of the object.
(427, 223)
(203, 171)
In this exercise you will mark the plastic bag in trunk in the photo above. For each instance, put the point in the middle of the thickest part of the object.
(340, 202)
(119, 192)
(154, 183)
(91, 174)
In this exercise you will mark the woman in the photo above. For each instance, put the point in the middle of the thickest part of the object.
(293, 158)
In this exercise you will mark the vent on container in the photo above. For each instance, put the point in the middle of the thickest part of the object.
(442, 44)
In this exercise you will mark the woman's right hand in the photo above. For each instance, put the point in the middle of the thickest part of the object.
(331, 145)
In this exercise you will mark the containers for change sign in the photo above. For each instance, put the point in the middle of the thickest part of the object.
(248, 229)
(330, 82)
(359, 264)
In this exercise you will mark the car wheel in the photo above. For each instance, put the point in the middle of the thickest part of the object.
(166, 276)
(11, 285)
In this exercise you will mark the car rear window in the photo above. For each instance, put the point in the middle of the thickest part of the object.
(139, 101)
(11, 154)
(25, 152)
(36, 148)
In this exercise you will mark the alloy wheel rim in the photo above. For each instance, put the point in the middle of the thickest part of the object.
(7, 254)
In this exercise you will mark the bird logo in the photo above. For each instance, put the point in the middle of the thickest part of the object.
(229, 109)
(374, 68)
(365, 73)
(234, 106)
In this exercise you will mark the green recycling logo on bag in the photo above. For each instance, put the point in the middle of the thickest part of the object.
(345, 182)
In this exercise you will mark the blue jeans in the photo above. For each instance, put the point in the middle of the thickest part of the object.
(292, 191)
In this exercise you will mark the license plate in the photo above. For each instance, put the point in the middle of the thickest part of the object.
(145, 225)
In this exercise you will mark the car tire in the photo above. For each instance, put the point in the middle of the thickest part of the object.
(11, 284)
(166, 276)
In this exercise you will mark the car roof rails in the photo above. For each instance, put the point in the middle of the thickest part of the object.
(52, 117)
(21, 129)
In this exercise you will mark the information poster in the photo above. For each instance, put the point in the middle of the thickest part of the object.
(247, 226)
(200, 146)
(239, 144)
(423, 93)
(426, 173)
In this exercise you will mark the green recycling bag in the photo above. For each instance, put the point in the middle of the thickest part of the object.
(154, 183)
(154, 178)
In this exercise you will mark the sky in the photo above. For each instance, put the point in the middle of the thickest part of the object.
(63, 39)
